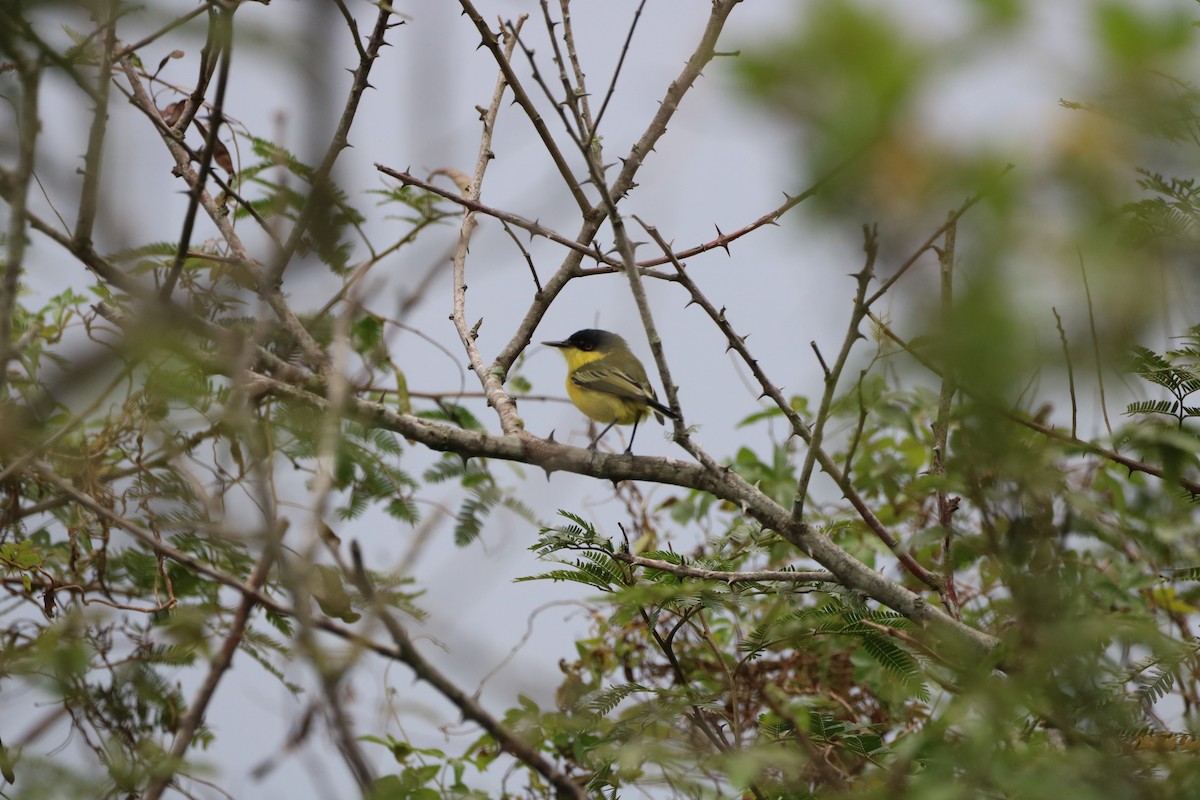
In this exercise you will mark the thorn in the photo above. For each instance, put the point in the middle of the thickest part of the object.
(550, 438)
(466, 459)
(723, 245)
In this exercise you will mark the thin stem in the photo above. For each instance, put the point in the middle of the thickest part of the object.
(612, 84)
(1071, 372)
(492, 378)
(473, 205)
(832, 375)
(29, 75)
(941, 428)
(491, 41)
(1095, 343)
(130, 49)
(95, 148)
(222, 39)
(577, 97)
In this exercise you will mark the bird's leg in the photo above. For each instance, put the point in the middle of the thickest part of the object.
(596, 441)
(629, 450)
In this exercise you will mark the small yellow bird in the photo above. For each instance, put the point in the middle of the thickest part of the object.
(606, 381)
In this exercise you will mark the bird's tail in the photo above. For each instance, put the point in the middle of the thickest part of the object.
(660, 410)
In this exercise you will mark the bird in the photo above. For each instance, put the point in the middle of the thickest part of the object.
(608, 383)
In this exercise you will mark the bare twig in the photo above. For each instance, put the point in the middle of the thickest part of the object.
(537, 284)
(858, 428)
(820, 359)
(701, 56)
(832, 375)
(575, 131)
(1095, 343)
(610, 265)
(941, 428)
(1062, 336)
(473, 205)
(491, 379)
(222, 39)
(612, 84)
(130, 49)
(578, 95)
(29, 75)
(206, 68)
(95, 149)
(491, 41)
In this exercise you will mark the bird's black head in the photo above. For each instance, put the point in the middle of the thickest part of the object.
(590, 339)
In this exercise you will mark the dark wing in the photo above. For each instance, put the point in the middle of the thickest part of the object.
(602, 378)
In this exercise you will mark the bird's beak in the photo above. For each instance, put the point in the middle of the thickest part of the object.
(556, 344)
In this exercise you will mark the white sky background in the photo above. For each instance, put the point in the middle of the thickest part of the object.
(723, 162)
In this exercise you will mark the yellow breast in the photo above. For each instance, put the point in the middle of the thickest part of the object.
(605, 408)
